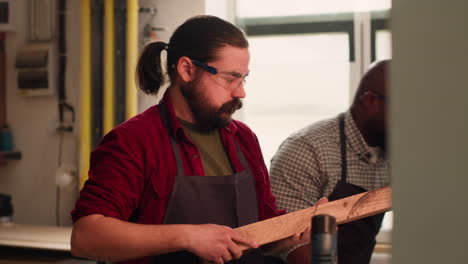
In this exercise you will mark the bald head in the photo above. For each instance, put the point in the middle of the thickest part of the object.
(374, 80)
(369, 105)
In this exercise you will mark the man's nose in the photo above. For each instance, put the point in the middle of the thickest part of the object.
(239, 91)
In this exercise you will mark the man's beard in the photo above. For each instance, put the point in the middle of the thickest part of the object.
(208, 117)
(379, 134)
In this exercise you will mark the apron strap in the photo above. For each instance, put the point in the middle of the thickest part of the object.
(344, 166)
(175, 147)
(241, 156)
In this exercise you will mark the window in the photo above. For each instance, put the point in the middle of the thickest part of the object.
(307, 58)
(293, 83)
(383, 44)
(277, 8)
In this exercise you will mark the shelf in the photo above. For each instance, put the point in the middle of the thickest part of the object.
(10, 155)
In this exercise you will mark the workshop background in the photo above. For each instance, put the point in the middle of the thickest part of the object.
(67, 77)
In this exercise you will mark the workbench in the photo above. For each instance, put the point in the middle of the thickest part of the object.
(33, 244)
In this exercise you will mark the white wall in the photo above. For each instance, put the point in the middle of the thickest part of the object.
(171, 13)
(225, 9)
(31, 180)
(429, 126)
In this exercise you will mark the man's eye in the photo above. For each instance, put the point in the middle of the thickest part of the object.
(229, 79)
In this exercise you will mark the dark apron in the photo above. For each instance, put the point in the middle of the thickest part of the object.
(223, 200)
(356, 240)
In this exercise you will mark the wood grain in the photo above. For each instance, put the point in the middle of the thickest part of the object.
(345, 210)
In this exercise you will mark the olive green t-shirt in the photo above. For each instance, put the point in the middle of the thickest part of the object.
(214, 157)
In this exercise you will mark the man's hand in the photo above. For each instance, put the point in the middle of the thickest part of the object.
(301, 253)
(215, 243)
(279, 247)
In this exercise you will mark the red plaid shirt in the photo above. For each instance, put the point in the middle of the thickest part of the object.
(132, 170)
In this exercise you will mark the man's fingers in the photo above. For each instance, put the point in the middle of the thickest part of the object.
(304, 236)
(226, 256)
(238, 238)
(296, 236)
(306, 233)
(322, 201)
(235, 250)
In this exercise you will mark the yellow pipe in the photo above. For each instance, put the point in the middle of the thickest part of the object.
(109, 66)
(132, 53)
(85, 72)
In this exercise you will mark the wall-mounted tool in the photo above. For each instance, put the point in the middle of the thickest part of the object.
(64, 106)
(42, 20)
(37, 69)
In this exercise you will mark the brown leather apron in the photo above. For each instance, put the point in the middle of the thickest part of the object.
(356, 240)
(223, 200)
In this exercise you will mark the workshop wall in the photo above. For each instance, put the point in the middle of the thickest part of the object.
(33, 121)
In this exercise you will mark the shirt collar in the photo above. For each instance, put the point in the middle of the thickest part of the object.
(358, 144)
(177, 129)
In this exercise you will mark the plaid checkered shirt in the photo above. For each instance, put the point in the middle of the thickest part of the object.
(307, 165)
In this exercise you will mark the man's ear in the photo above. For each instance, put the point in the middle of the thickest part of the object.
(369, 100)
(185, 68)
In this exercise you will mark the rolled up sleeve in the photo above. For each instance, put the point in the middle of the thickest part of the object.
(115, 178)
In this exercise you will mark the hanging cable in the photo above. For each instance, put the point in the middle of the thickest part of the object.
(63, 105)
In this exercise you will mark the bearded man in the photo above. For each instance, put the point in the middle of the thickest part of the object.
(170, 184)
(336, 158)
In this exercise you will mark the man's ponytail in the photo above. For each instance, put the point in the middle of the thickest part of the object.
(149, 72)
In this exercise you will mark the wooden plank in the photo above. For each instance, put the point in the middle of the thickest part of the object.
(345, 210)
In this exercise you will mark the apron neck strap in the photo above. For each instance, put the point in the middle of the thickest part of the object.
(175, 147)
(344, 167)
(241, 156)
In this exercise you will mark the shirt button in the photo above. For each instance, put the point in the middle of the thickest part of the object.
(195, 156)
